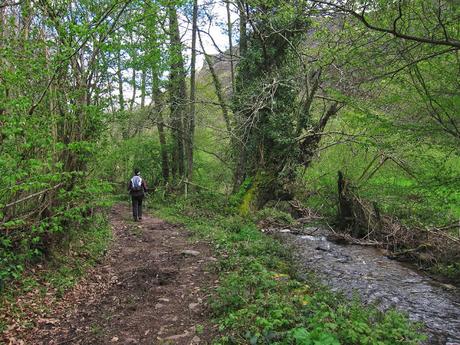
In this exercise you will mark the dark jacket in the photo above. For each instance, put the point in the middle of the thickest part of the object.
(137, 192)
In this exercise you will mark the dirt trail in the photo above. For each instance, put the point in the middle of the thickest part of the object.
(151, 288)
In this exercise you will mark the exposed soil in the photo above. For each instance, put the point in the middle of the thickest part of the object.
(147, 290)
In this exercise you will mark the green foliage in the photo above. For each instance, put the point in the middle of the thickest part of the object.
(418, 184)
(274, 215)
(52, 118)
(403, 112)
(259, 302)
(64, 266)
(303, 337)
(117, 162)
(25, 243)
(451, 270)
(67, 140)
(87, 247)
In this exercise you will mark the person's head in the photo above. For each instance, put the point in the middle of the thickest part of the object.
(136, 172)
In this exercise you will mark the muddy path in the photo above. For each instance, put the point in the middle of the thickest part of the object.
(151, 288)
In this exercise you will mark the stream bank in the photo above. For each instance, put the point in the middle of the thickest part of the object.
(376, 279)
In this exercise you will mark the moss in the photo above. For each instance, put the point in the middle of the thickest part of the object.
(250, 201)
(247, 201)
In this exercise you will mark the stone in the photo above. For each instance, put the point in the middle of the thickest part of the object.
(195, 340)
(325, 247)
(190, 252)
(193, 306)
(177, 336)
(165, 300)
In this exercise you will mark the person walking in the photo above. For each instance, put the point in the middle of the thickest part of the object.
(137, 189)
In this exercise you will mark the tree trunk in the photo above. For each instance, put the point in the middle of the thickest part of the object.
(230, 45)
(345, 211)
(191, 115)
(26, 16)
(156, 97)
(121, 101)
(243, 33)
(177, 90)
(217, 87)
(134, 85)
(143, 81)
(240, 170)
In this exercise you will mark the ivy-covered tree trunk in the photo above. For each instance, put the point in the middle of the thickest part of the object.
(273, 108)
(239, 151)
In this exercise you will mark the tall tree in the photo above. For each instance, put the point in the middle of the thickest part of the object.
(190, 128)
(177, 91)
(276, 123)
(157, 106)
(230, 43)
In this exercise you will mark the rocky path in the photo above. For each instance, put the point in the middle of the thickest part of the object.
(151, 288)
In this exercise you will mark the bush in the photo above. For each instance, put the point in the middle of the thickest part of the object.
(273, 216)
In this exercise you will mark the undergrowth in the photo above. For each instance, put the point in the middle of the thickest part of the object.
(259, 300)
(24, 297)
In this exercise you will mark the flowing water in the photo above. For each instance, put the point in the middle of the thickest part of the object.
(377, 279)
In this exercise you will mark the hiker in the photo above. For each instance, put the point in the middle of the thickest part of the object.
(137, 189)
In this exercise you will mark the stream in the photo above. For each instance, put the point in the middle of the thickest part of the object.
(377, 279)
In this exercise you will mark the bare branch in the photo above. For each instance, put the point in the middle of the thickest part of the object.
(361, 17)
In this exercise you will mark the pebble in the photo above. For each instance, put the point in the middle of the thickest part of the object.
(193, 306)
(190, 252)
(195, 340)
(177, 336)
